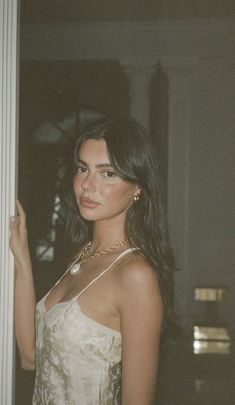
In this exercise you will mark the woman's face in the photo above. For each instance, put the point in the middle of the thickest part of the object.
(100, 193)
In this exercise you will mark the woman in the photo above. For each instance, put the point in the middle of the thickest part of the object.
(98, 329)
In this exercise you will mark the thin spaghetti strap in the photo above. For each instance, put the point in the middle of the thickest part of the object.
(105, 271)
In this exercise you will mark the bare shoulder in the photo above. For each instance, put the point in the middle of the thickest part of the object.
(137, 279)
(136, 269)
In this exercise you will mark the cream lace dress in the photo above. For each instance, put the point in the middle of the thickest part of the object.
(78, 360)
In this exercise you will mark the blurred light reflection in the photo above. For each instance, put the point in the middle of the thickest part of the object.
(211, 333)
(205, 347)
(210, 294)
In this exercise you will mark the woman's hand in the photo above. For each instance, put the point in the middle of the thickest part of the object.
(19, 240)
(25, 300)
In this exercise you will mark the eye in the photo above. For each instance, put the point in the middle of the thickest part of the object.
(108, 174)
(81, 169)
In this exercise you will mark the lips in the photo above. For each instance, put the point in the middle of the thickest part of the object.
(88, 203)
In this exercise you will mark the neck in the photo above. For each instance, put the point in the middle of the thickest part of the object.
(106, 234)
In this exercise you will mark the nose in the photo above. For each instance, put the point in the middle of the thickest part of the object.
(88, 183)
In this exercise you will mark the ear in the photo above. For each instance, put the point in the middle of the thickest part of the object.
(137, 191)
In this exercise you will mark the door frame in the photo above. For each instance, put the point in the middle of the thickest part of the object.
(9, 94)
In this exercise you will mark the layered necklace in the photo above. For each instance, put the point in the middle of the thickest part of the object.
(81, 259)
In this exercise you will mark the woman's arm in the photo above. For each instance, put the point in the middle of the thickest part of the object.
(25, 301)
(141, 316)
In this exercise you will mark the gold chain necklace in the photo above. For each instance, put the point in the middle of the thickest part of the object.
(76, 266)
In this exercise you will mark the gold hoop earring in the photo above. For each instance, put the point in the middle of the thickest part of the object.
(136, 197)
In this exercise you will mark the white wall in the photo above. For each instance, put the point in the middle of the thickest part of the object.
(206, 249)
(211, 177)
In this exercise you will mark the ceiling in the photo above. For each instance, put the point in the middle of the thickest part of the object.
(123, 10)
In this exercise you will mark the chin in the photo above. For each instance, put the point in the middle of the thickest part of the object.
(88, 214)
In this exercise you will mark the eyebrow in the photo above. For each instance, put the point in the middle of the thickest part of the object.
(98, 166)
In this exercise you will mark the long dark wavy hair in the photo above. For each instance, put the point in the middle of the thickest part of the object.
(133, 157)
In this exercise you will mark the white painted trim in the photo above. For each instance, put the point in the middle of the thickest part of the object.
(8, 146)
(127, 41)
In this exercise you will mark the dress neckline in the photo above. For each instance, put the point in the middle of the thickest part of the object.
(73, 301)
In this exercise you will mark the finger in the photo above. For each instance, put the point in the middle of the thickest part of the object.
(19, 206)
(22, 215)
(14, 222)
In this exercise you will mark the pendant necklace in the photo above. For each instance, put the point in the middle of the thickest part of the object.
(76, 265)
